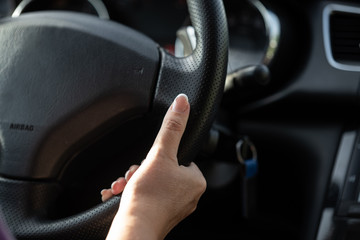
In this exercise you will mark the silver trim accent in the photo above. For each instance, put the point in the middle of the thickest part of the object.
(326, 227)
(328, 10)
(98, 5)
(185, 42)
(338, 176)
(273, 30)
(20, 8)
(100, 8)
(343, 158)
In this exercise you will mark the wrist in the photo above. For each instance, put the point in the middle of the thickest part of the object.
(134, 227)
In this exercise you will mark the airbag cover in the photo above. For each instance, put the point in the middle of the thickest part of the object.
(65, 78)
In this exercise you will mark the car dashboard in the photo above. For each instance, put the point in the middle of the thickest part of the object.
(292, 90)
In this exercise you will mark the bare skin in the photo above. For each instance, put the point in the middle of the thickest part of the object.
(118, 186)
(159, 193)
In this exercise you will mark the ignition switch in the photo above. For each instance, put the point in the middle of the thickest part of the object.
(222, 146)
(247, 156)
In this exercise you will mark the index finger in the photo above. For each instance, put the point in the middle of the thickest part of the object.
(173, 127)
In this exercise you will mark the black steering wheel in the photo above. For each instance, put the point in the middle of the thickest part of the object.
(65, 78)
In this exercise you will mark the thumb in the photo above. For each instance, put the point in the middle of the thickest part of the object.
(172, 128)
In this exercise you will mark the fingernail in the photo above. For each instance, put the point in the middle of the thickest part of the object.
(127, 174)
(102, 191)
(181, 103)
(112, 185)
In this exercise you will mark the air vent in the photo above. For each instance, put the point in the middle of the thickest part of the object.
(345, 37)
(341, 32)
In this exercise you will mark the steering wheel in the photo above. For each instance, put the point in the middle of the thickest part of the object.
(65, 78)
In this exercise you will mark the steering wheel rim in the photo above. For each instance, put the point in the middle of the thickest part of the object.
(201, 76)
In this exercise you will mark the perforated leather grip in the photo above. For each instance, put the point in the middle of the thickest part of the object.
(201, 75)
(25, 206)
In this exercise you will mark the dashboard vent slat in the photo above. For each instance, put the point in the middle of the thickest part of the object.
(345, 37)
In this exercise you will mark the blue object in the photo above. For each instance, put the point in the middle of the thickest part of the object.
(251, 168)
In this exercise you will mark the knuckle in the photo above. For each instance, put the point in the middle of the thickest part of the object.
(202, 185)
(193, 208)
(173, 125)
(193, 205)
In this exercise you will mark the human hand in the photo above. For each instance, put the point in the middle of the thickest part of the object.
(160, 193)
(118, 186)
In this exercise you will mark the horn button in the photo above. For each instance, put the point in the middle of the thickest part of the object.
(65, 78)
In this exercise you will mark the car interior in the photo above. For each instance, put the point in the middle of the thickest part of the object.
(274, 88)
